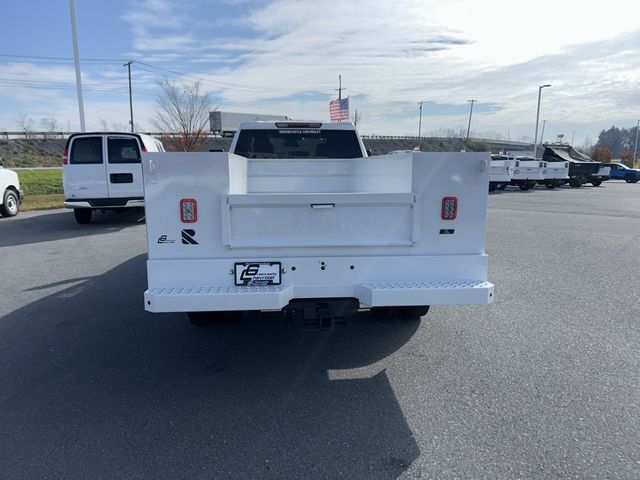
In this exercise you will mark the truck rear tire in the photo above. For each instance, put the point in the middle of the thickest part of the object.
(202, 319)
(82, 215)
(596, 183)
(407, 312)
(10, 204)
(414, 311)
(575, 183)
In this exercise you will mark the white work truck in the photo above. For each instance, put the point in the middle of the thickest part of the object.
(557, 173)
(500, 172)
(297, 217)
(527, 171)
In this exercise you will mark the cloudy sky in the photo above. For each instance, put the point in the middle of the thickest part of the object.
(284, 57)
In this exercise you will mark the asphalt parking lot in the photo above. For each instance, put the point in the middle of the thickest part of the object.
(543, 383)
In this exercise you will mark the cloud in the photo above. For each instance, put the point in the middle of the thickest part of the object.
(284, 56)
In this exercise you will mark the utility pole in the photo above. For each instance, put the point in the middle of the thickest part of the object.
(635, 149)
(420, 122)
(76, 59)
(573, 132)
(128, 65)
(472, 101)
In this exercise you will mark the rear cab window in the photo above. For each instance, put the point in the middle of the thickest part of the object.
(298, 143)
(123, 150)
(86, 151)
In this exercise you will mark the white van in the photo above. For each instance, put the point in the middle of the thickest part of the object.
(10, 192)
(102, 171)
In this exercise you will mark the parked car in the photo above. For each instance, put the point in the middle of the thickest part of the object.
(10, 193)
(622, 172)
(102, 171)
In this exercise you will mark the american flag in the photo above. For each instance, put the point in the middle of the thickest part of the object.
(339, 109)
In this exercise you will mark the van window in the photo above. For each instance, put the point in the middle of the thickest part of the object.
(123, 150)
(86, 150)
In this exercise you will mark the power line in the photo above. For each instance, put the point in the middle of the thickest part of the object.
(68, 59)
(216, 83)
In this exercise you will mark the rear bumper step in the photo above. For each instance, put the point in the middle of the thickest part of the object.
(219, 298)
(114, 202)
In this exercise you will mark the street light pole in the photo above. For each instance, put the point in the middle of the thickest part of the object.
(535, 137)
(544, 122)
(635, 149)
(128, 65)
(420, 122)
(472, 101)
(76, 60)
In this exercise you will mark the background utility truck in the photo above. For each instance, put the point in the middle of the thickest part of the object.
(527, 171)
(297, 217)
(500, 172)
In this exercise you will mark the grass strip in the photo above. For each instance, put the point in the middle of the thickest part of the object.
(42, 189)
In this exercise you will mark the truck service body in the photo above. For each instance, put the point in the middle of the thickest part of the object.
(298, 212)
(527, 171)
(500, 172)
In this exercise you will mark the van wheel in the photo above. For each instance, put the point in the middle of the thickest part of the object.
(10, 204)
(83, 215)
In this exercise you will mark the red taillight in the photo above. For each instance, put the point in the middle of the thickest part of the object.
(65, 157)
(144, 149)
(188, 210)
(449, 208)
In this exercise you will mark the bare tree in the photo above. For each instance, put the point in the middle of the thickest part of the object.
(50, 125)
(183, 113)
(25, 123)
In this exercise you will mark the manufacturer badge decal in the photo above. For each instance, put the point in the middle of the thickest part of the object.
(165, 239)
(188, 235)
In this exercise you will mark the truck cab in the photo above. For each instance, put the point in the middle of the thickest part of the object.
(298, 140)
(296, 217)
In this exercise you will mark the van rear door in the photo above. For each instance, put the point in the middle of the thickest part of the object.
(84, 175)
(124, 171)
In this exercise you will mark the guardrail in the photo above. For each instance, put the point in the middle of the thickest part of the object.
(63, 135)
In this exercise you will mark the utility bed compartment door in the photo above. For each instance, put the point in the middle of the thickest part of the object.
(320, 220)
